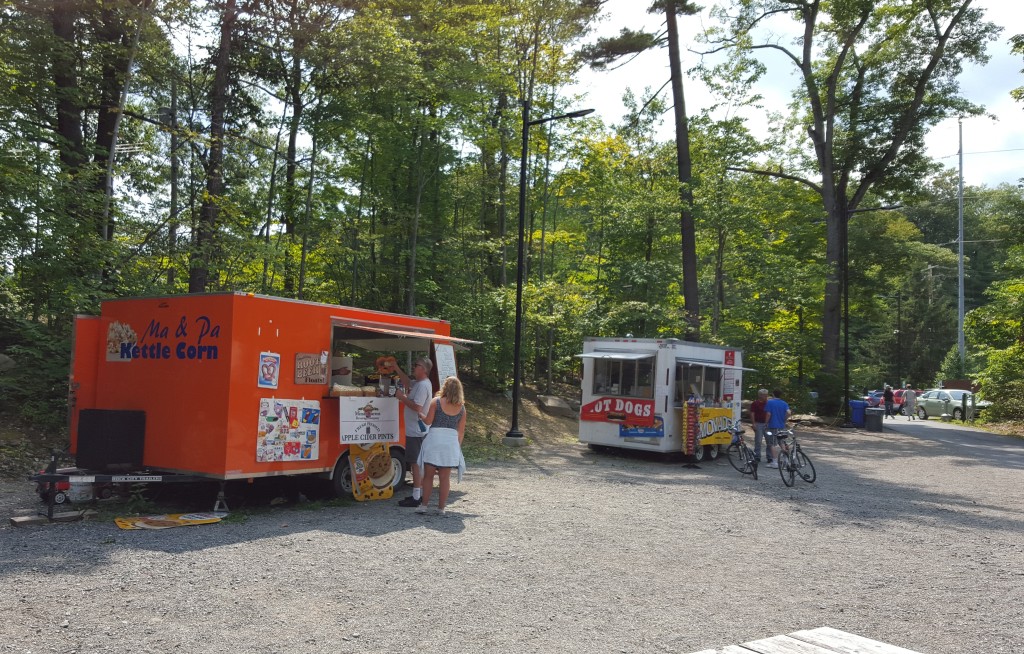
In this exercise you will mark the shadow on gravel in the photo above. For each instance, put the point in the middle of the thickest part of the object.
(852, 475)
(259, 511)
(862, 477)
(874, 479)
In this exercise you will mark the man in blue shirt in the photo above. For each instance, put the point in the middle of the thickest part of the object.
(778, 412)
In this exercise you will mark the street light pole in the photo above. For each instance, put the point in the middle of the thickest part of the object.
(846, 316)
(515, 437)
(899, 337)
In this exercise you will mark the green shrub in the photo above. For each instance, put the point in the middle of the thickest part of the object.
(34, 390)
(1007, 401)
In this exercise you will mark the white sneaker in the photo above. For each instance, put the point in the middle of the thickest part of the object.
(421, 508)
(773, 465)
(440, 512)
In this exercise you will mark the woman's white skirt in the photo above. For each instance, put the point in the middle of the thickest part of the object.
(441, 449)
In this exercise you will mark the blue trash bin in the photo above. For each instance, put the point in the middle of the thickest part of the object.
(857, 412)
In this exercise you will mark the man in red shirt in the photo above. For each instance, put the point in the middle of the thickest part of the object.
(759, 417)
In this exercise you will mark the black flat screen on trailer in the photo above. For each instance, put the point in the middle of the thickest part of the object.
(110, 440)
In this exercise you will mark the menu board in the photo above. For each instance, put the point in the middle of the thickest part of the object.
(444, 353)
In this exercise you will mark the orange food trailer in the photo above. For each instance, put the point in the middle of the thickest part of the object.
(234, 386)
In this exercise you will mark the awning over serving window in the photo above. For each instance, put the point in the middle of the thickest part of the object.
(377, 337)
(711, 363)
(621, 356)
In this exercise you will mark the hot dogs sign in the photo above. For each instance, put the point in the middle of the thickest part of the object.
(619, 409)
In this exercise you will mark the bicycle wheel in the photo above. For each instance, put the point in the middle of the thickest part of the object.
(739, 458)
(786, 469)
(804, 467)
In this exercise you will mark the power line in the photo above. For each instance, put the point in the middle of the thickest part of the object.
(957, 154)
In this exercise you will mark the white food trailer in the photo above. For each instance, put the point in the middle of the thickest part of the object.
(660, 395)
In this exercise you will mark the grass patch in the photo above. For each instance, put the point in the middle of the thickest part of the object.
(1014, 428)
(489, 417)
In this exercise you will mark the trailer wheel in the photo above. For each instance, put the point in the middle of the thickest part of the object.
(712, 451)
(59, 497)
(699, 454)
(341, 480)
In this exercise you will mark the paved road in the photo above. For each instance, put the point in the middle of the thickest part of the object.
(969, 441)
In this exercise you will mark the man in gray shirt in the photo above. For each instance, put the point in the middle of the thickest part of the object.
(415, 403)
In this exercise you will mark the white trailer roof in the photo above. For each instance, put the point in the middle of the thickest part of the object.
(628, 356)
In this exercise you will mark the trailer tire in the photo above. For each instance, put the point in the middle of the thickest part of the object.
(712, 451)
(399, 466)
(699, 454)
(341, 480)
(59, 497)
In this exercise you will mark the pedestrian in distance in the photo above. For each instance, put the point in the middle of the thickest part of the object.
(759, 418)
(910, 403)
(442, 448)
(414, 403)
(778, 412)
(890, 402)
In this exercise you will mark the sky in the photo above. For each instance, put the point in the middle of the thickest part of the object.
(993, 146)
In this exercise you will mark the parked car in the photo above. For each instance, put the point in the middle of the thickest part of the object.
(875, 398)
(933, 403)
(899, 399)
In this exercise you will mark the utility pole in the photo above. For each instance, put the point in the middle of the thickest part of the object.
(960, 240)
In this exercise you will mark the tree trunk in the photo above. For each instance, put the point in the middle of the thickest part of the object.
(686, 225)
(307, 214)
(70, 139)
(294, 93)
(199, 271)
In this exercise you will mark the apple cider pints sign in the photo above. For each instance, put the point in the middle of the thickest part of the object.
(619, 409)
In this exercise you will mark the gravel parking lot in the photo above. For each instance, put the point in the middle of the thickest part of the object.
(911, 542)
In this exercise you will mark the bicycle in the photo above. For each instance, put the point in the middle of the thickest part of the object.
(740, 455)
(792, 460)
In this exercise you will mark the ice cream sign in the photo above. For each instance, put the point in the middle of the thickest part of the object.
(619, 409)
(193, 339)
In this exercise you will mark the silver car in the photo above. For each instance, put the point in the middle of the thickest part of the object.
(938, 401)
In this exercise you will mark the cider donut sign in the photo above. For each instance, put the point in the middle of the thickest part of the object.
(619, 409)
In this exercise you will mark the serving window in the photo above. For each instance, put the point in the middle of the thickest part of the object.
(624, 377)
(695, 379)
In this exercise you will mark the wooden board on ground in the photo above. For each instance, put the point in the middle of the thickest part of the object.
(784, 645)
(823, 640)
(64, 516)
(846, 643)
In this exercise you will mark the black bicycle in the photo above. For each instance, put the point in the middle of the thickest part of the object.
(792, 459)
(740, 456)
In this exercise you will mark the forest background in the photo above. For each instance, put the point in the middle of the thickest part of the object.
(366, 153)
